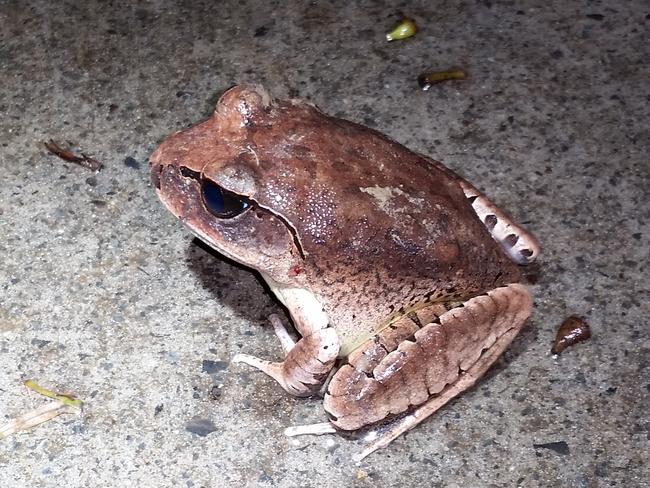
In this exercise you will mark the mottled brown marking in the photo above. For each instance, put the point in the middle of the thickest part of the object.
(490, 221)
(511, 240)
(397, 332)
(416, 320)
(431, 313)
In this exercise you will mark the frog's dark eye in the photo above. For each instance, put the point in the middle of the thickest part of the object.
(221, 202)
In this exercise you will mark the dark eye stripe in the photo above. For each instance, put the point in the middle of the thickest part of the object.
(222, 203)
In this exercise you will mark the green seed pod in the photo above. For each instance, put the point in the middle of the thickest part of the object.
(406, 28)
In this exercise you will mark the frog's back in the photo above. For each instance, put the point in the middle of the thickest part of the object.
(382, 228)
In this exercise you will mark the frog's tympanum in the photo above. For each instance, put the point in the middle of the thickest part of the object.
(400, 277)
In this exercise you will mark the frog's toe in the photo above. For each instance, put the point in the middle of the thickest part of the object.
(320, 428)
(286, 340)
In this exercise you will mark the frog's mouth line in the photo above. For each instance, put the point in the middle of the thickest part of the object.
(225, 204)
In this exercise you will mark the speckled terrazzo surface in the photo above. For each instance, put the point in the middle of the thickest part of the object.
(106, 296)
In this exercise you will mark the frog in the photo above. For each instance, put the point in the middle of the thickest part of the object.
(401, 279)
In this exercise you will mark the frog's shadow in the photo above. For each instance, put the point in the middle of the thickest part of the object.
(234, 285)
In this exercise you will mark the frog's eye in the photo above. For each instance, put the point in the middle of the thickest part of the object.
(221, 202)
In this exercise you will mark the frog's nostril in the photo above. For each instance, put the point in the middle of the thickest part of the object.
(189, 173)
(156, 170)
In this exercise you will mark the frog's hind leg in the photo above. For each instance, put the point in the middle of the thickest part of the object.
(466, 380)
(420, 373)
(517, 242)
(307, 362)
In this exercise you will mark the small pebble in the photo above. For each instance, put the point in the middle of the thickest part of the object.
(130, 162)
(200, 427)
(572, 331)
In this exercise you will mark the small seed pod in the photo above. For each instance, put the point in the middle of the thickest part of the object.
(425, 80)
(406, 28)
(572, 331)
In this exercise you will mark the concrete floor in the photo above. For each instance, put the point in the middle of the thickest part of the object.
(105, 295)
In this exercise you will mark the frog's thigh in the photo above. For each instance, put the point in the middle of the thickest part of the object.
(307, 363)
(441, 360)
(521, 245)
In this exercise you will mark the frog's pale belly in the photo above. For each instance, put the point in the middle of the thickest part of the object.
(386, 260)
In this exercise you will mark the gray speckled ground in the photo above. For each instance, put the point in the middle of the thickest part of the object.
(105, 295)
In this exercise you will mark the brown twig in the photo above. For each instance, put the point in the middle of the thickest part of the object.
(82, 160)
(425, 80)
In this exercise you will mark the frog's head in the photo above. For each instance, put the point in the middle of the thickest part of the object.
(210, 177)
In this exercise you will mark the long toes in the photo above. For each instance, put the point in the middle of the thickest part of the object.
(310, 429)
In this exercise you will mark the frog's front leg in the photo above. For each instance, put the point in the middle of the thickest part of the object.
(307, 362)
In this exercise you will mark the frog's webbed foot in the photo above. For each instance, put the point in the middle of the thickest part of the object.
(307, 362)
(517, 242)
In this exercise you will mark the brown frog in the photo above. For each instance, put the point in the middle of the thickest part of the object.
(400, 277)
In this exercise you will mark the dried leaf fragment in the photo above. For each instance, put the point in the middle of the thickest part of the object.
(361, 474)
(572, 331)
(405, 29)
(62, 404)
(425, 80)
(34, 417)
(82, 160)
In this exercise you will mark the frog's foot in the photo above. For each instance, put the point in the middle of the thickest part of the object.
(517, 242)
(307, 362)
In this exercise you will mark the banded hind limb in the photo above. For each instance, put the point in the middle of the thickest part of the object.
(415, 369)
